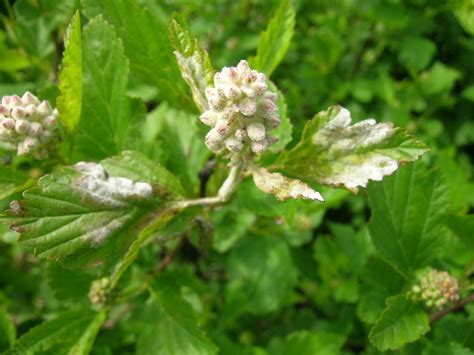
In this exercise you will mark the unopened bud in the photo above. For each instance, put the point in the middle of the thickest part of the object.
(8, 123)
(256, 131)
(22, 126)
(50, 121)
(6, 100)
(232, 92)
(260, 146)
(15, 101)
(18, 112)
(209, 118)
(30, 110)
(35, 129)
(44, 108)
(29, 99)
(234, 145)
(248, 107)
(4, 110)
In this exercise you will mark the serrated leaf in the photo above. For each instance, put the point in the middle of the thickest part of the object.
(71, 332)
(333, 152)
(416, 52)
(70, 79)
(108, 116)
(11, 181)
(402, 322)
(406, 225)
(455, 328)
(311, 343)
(65, 218)
(274, 42)
(379, 281)
(170, 327)
(194, 63)
(146, 43)
(7, 331)
(463, 227)
(282, 187)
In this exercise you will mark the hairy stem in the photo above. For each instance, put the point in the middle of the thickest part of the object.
(455, 307)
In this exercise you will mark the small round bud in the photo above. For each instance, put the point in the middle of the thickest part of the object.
(21, 126)
(8, 123)
(30, 111)
(15, 101)
(18, 113)
(240, 134)
(4, 110)
(223, 126)
(258, 147)
(28, 98)
(248, 107)
(6, 101)
(256, 131)
(35, 129)
(234, 145)
(50, 121)
(44, 108)
(232, 92)
(209, 118)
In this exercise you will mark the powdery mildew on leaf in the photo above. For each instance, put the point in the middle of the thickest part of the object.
(109, 190)
(282, 187)
(334, 152)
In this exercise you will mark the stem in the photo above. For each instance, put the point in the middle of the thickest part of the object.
(455, 307)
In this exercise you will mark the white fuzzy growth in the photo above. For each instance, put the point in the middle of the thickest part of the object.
(111, 190)
(98, 236)
(283, 187)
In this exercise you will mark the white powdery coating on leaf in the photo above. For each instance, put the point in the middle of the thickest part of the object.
(110, 190)
(98, 236)
(283, 187)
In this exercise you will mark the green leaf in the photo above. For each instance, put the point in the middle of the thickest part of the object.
(11, 181)
(7, 331)
(334, 152)
(464, 12)
(455, 328)
(416, 53)
(194, 63)
(310, 343)
(177, 143)
(170, 326)
(281, 187)
(108, 116)
(438, 79)
(86, 221)
(463, 227)
(261, 274)
(70, 78)
(274, 42)
(146, 43)
(69, 286)
(402, 322)
(406, 225)
(379, 281)
(71, 332)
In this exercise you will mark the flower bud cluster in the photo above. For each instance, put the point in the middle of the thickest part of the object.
(241, 111)
(436, 289)
(99, 292)
(27, 123)
(105, 187)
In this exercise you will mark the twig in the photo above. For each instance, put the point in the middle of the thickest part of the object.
(204, 176)
(171, 255)
(455, 307)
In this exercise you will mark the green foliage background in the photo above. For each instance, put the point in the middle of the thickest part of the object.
(256, 276)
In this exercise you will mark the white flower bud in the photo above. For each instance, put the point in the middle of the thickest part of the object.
(23, 149)
(230, 74)
(209, 118)
(234, 145)
(223, 126)
(260, 88)
(44, 108)
(6, 101)
(214, 140)
(260, 146)
(30, 111)
(270, 96)
(15, 101)
(50, 122)
(232, 92)
(267, 108)
(240, 134)
(248, 107)
(273, 121)
(35, 129)
(29, 99)
(18, 113)
(256, 131)
(8, 123)
(4, 110)
(21, 126)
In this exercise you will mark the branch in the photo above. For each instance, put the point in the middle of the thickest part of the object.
(455, 307)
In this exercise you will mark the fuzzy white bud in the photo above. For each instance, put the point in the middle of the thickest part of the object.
(256, 131)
